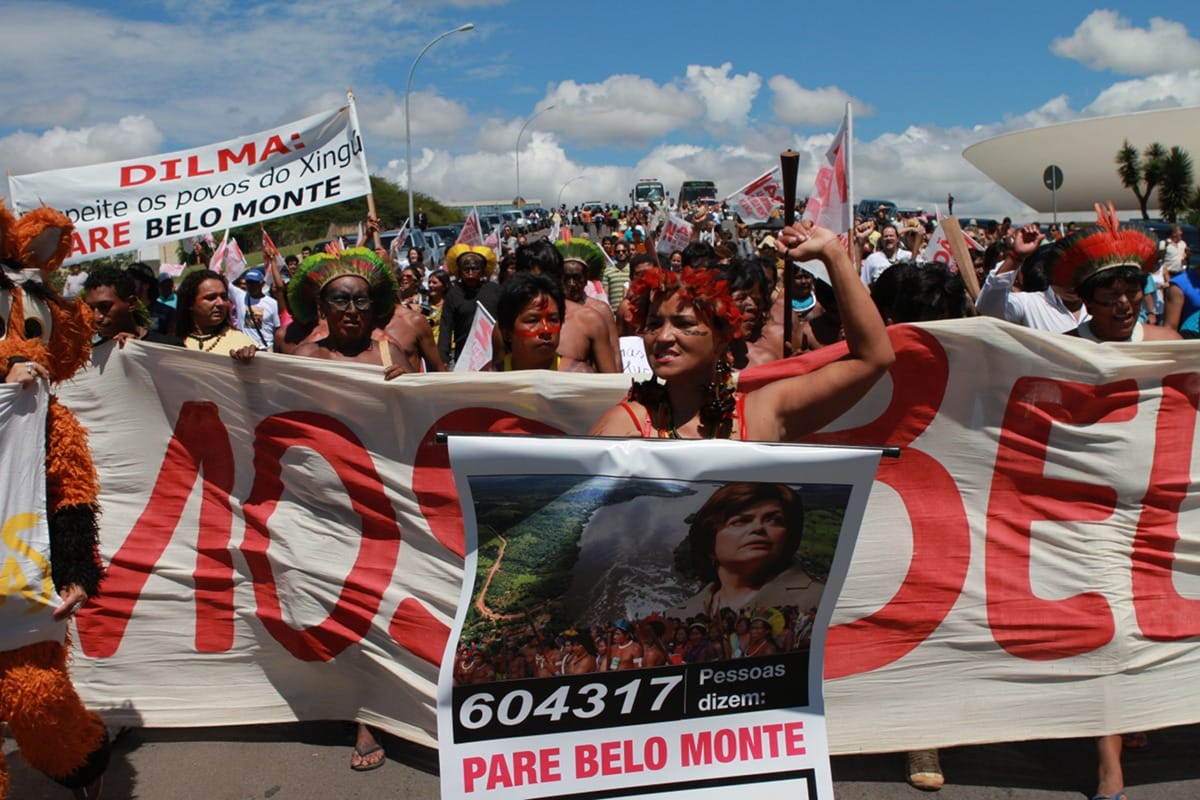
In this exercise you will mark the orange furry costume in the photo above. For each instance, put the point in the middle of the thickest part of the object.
(56, 734)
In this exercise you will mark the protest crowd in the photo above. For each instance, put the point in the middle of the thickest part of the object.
(699, 295)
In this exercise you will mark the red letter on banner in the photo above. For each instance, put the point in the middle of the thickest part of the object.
(198, 443)
(1022, 623)
(941, 547)
(1162, 614)
(433, 482)
(363, 588)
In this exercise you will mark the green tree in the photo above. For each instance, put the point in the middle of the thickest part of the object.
(1141, 173)
(1175, 193)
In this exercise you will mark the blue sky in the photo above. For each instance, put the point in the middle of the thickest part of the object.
(707, 90)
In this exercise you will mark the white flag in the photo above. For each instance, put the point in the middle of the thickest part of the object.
(829, 202)
(755, 201)
(477, 352)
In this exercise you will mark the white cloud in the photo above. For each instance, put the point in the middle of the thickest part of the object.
(1106, 40)
(795, 105)
(546, 172)
(1173, 90)
(726, 98)
(58, 147)
(432, 114)
(623, 109)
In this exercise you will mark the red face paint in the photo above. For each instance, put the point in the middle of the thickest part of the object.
(540, 318)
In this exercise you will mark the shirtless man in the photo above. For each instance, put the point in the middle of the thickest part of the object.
(625, 653)
(409, 330)
(654, 653)
(584, 343)
(580, 654)
(346, 305)
(762, 335)
(581, 259)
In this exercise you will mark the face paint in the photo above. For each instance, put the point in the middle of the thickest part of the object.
(540, 318)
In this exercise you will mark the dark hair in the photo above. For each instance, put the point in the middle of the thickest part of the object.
(187, 291)
(519, 290)
(1126, 273)
(744, 275)
(139, 271)
(543, 256)
(1033, 275)
(442, 276)
(120, 281)
(727, 501)
(507, 260)
(699, 254)
(642, 258)
(143, 278)
(906, 292)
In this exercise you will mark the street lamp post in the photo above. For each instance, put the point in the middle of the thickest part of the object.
(518, 148)
(408, 117)
(564, 186)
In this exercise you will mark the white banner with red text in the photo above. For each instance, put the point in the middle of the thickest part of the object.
(286, 538)
(587, 661)
(289, 169)
(27, 597)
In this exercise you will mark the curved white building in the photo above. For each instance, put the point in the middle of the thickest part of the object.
(1086, 151)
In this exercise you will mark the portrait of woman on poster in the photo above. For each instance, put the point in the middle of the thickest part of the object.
(743, 541)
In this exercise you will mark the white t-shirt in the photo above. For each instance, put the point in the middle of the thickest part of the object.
(874, 264)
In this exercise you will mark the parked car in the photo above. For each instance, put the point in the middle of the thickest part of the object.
(428, 242)
(516, 219)
(448, 235)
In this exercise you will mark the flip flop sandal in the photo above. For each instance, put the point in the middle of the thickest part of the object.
(367, 766)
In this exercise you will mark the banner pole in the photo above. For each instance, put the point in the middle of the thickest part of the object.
(370, 190)
(789, 164)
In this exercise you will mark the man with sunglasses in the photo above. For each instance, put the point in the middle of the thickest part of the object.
(616, 276)
(354, 293)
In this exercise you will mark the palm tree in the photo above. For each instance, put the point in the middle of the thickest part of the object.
(1175, 190)
(1136, 170)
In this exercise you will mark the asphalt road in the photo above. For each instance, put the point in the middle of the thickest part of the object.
(307, 761)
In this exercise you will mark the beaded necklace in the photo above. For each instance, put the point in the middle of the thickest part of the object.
(201, 338)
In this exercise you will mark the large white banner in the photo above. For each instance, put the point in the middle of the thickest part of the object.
(285, 538)
(645, 614)
(121, 205)
(27, 597)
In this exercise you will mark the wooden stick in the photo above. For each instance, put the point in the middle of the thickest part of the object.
(962, 255)
(789, 163)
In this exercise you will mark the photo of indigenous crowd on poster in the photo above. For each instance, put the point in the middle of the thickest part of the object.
(619, 631)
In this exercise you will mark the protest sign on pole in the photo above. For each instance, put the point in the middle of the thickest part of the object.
(676, 234)
(27, 596)
(477, 352)
(611, 711)
(121, 205)
(472, 231)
